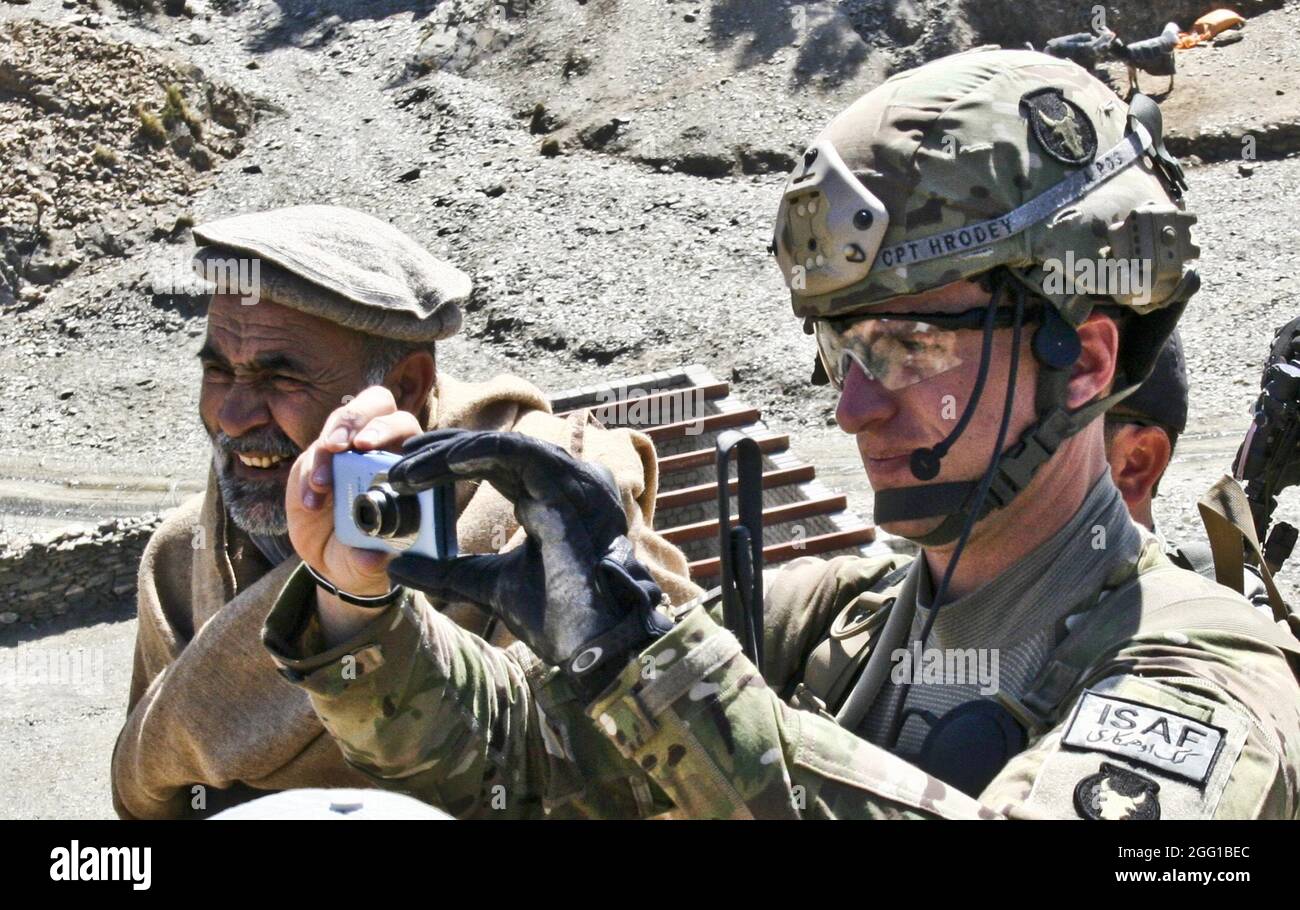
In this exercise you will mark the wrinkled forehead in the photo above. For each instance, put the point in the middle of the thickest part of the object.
(241, 332)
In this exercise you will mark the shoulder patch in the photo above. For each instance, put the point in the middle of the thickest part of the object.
(1172, 743)
(1192, 788)
(1117, 794)
(1061, 127)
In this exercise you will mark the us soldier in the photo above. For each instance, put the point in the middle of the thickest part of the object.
(1141, 433)
(917, 234)
(345, 302)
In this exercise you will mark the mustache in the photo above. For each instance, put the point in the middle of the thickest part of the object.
(269, 441)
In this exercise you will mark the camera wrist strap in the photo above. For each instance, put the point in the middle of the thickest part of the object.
(356, 600)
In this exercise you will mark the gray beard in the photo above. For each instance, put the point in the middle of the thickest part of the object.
(256, 507)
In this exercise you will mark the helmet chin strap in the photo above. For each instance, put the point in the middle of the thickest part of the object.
(925, 463)
(980, 494)
(1056, 348)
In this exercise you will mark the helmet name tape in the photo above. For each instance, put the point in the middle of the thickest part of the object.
(1042, 206)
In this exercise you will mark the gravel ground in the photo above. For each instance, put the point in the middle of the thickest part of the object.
(643, 237)
(60, 735)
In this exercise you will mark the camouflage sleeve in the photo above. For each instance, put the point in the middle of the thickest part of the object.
(424, 707)
(695, 714)
(1193, 723)
(421, 706)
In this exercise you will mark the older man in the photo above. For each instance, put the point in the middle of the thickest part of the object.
(345, 303)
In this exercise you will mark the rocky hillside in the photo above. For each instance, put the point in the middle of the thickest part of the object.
(104, 143)
(606, 170)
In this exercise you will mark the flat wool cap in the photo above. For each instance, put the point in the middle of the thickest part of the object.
(344, 266)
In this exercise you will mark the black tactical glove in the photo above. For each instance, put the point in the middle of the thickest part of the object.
(573, 592)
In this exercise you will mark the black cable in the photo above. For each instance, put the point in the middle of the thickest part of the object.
(896, 728)
(936, 454)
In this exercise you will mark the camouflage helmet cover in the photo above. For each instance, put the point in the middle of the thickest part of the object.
(957, 145)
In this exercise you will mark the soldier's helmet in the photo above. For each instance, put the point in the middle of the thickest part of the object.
(992, 158)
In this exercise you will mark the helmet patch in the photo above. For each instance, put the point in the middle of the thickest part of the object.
(1061, 127)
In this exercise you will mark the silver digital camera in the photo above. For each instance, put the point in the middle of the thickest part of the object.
(370, 515)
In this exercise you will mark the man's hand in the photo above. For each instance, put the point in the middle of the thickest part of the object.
(573, 592)
(369, 422)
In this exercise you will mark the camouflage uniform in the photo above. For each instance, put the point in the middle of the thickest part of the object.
(427, 708)
(1161, 694)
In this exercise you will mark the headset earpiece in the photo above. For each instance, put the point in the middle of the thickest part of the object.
(1056, 343)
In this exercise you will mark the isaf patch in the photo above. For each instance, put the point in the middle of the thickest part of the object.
(1090, 735)
(1117, 794)
(1171, 743)
(1061, 127)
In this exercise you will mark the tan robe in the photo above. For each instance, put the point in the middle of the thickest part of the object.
(209, 712)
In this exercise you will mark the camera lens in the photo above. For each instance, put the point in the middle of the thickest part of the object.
(380, 512)
(367, 513)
